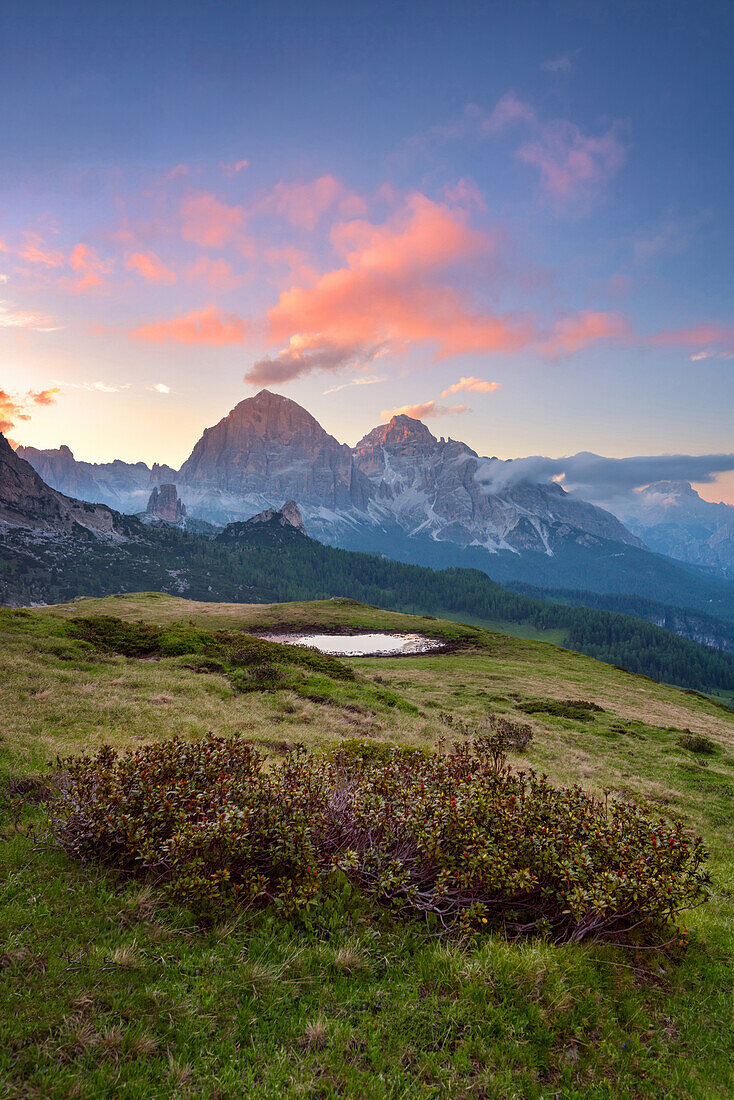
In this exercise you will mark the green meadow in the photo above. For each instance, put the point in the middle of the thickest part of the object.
(107, 990)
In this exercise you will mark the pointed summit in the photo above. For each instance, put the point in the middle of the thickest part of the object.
(402, 432)
(269, 446)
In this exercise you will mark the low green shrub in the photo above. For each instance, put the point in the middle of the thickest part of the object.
(698, 743)
(230, 649)
(453, 836)
(578, 709)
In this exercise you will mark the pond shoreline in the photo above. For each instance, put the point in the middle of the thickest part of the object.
(369, 644)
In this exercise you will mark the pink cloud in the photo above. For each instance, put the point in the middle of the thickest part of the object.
(508, 111)
(208, 222)
(393, 291)
(35, 252)
(295, 264)
(392, 288)
(234, 168)
(573, 333)
(697, 337)
(151, 268)
(571, 163)
(475, 385)
(176, 172)
(89, 267)
(199, 326)
(423, 411)
(303, 204)
(217, 274)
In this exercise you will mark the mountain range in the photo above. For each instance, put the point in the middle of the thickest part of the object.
(53, 547)
(406, 494)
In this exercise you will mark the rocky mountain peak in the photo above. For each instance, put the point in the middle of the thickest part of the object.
(164, 503)
(266, 448)
(272, 416)
(671, 489)
(400, 433)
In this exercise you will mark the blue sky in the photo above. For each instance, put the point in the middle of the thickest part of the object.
(523, 207)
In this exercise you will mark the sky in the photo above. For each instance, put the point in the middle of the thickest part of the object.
(512, 220)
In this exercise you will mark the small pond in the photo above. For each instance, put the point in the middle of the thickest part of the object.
(362, 645)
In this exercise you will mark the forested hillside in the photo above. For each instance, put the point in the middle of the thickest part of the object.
(267, 563)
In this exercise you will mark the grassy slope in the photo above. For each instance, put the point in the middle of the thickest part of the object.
(111, 996)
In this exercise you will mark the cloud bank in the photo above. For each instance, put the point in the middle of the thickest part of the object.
(595, 478)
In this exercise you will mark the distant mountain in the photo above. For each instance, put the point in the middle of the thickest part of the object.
(671, 518)
(124, 486)
(27, 502)
(400, 492)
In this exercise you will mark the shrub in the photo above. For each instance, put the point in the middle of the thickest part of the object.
(452, 836)
(579, 709)
(698, 743)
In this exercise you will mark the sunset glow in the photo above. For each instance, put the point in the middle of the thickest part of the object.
(527, 235)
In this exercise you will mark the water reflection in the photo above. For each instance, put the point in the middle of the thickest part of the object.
(361, 645)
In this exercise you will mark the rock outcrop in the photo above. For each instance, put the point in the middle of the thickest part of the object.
(164, 503)
(287, 516)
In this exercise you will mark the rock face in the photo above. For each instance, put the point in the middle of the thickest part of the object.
(26, 501)
(164, 503)
(431, 487)
(287, 516)
(269, 449)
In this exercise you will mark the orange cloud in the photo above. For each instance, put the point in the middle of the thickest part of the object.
(44, 397)
(151, 267)
(199, 326)
(13, 408)
(391, 288)
(208, 222)
(573, 333)
(476, 385)
(10, 411)
(424, 411)
(303, 204)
